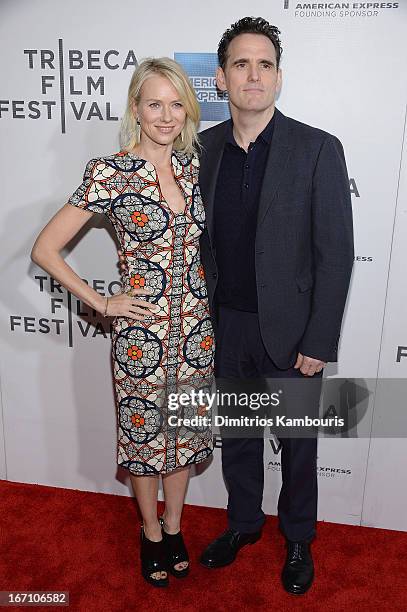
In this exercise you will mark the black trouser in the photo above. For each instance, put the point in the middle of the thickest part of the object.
(241, 354)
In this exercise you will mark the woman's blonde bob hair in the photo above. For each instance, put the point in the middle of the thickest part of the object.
(187, 142)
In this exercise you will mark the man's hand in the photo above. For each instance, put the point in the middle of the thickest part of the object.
(308, 365)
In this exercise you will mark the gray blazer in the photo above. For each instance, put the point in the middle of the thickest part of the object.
(304, 240)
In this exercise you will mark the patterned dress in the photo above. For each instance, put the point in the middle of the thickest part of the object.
(170, 351)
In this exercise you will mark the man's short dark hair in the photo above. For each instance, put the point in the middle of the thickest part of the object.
(249, 25)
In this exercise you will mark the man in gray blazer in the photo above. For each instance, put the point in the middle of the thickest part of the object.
(278, 254)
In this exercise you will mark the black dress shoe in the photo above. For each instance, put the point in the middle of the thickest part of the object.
(298, 570)
(224, 549)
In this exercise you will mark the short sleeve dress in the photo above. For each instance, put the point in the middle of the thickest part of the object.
(172, 350)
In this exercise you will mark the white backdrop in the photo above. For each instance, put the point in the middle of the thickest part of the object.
(65, 71)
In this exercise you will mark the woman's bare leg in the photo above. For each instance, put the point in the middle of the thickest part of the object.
(146, 492)
(175, 485)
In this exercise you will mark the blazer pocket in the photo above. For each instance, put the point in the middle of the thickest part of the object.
(305, 282)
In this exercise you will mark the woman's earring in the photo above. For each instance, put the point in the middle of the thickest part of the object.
(138, 121)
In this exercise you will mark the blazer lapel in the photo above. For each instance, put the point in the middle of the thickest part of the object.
(210, 163)
(276, 165)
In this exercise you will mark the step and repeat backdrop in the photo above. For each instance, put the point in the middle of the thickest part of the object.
(65, 71)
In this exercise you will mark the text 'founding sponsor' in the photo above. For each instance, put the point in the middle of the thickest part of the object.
(342, 9)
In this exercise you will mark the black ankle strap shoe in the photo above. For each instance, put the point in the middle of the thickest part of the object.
(153, 560)
(176, 551)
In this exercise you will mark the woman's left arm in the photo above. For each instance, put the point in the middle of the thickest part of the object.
(63, 226)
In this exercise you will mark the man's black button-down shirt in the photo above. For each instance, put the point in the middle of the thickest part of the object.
(236, 205)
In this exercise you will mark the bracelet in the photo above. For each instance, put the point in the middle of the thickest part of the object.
(106, 305)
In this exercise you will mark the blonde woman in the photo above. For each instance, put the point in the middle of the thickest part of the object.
(162, 334)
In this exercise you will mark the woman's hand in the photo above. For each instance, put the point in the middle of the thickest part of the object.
(64, 225)
(129, 306)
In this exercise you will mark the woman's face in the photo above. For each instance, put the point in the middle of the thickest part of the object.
(160, 111)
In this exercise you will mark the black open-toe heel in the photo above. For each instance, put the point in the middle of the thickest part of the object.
(176, 551)
(153, 559)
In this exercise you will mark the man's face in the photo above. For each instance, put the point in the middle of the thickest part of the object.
(250, 75)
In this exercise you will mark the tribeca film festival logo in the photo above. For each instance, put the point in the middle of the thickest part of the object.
(201, 69)
(67, 314)
(339, 9)
(69, 81)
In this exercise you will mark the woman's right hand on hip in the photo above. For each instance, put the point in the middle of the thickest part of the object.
(130, 306)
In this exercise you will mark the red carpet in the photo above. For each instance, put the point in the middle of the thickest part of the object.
(87, 544)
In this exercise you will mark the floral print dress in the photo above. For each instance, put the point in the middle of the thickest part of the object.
(172, 350)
